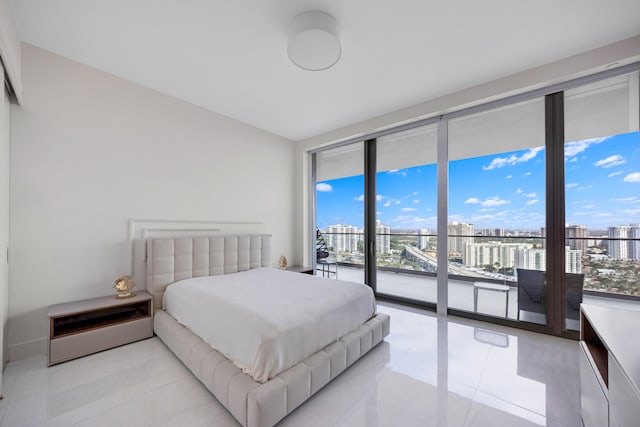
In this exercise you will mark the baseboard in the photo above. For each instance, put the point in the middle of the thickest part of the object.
(27, 349)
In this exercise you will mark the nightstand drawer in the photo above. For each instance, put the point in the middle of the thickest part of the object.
(83, 343)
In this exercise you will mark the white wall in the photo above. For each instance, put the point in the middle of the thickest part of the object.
(90, 152)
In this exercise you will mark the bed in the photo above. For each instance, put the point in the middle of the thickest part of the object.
(271, 395)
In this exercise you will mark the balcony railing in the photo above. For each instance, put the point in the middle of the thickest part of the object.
(416, 254)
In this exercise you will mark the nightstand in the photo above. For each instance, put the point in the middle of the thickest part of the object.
(300, 269)
(83, 327)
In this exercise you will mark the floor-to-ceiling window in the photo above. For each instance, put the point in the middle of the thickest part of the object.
(602, 193)
(538, 195)
(497, 211)
(339, 192)
(406, 184)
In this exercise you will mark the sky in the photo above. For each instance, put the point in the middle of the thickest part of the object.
(505, 190)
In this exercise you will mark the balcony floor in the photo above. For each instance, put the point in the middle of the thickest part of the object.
(423, 288)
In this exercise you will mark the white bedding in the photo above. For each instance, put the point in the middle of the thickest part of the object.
(266, 320)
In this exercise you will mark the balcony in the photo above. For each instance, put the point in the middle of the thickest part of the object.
(422, 287)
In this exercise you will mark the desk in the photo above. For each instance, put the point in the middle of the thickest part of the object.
(490, 287)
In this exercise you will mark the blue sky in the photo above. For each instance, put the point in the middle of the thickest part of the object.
(505, 190)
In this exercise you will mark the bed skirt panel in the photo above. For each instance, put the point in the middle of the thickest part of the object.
(260, 405)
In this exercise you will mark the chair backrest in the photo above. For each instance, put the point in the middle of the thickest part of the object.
(532, 290)
(573, 284)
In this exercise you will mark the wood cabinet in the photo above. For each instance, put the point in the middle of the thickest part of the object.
(83, 327)
(609, 366)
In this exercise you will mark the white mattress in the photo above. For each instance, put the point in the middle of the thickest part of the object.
(266, 320)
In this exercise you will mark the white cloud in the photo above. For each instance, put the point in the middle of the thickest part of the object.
(387, 204)
(402, 172)
(415, 193)
(408, 221)
(500, 162)
(624, 199)
(360, 198)
(486, 210)
(611, 161)
(416, 201)
(527, 174)
(509, 176)
(612, 174)
(532, 202)
(519, 191)
(471, 201)
(572, 160)
(408, 209)
(379, 213)
(572, 185)
(632, 177)
(494, 201)
(379, 197)
(588, 206)
(396, 202)
(324, 187)
(574, 148)
(531, 195)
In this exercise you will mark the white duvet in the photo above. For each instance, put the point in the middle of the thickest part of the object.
(266, 320)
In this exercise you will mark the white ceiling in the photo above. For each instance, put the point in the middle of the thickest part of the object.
(229, 56)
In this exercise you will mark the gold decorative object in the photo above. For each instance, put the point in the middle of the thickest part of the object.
(124, 285)
(282, 262)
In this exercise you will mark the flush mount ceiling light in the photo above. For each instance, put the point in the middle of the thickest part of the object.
(313, 41)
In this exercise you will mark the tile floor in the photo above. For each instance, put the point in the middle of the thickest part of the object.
(429, 371)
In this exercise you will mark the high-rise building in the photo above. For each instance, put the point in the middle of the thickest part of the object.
(496, 254)
(460, 235)
(574, 235)
(423, 239)
(573, 260)
(343, 238)
(531, 259)
(634, 251)
(619, 248)
(383, 238)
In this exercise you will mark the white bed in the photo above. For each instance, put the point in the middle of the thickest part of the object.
(293, 369)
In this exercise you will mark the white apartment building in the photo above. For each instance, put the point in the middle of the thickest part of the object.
(573, 260)
(619, 249)
(343, 238)
(458, 245)
(383, 238)
(423, 239)
(498, 254)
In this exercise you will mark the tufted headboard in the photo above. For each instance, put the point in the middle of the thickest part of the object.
(173, 259)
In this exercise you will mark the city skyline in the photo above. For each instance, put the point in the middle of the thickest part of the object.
(505, 190)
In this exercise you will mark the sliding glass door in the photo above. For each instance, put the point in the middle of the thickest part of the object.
(602, 191)
(339, 211)
(406, 185)
(496, 246)
(539, 196)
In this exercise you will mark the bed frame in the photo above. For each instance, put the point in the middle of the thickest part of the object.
(253, 404)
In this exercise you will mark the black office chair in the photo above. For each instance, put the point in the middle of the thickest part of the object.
(532, 291)
(573, 295)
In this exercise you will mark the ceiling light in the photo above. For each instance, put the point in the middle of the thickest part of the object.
(313, 41)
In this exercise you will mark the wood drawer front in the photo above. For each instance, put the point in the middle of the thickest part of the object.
(83, 343)
(593, 400)
(624, 401)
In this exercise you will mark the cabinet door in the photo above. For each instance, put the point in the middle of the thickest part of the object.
(593, 398)
(624, 402)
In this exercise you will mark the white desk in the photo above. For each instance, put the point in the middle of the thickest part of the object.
(494, 287)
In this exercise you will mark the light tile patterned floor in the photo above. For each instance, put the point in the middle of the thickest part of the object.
(430, 371)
